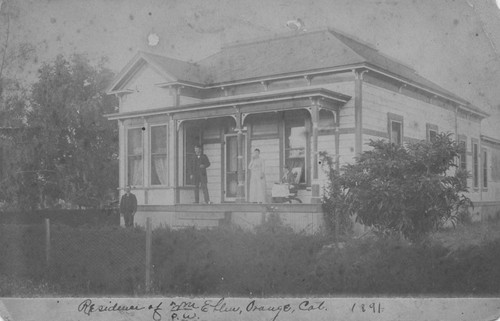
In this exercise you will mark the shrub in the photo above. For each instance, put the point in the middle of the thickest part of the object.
(407, 190)
(335, 210)
(234, 262)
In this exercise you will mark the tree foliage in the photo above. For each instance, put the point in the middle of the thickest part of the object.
(412, 189)
(335, 211)
(70, 149)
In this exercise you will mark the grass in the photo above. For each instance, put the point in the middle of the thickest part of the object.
(464, 236)
(271, 261)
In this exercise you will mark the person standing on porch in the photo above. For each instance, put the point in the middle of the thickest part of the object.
(257, 178)
(200, 165)
(128, 207)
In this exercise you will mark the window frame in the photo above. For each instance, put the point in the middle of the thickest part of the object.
(152, 154)
(395, 118)
(462, 158)
(429, 128)
(475, 163)
(484, 172)
(128, 155)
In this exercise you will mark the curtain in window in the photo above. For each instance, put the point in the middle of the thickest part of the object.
(135, 168)
(160, 168)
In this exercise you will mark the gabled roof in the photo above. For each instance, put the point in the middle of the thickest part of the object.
(281, 56)
(170, 68)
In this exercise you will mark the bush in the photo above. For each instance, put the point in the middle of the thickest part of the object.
(233, 262)
(408, 190)
(230, 261)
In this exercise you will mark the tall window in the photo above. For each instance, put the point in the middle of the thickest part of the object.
(395, 128)
(485, 168)
(463, 155)
(475, 164)
(134, 157)
(295, 148)
(159, 155)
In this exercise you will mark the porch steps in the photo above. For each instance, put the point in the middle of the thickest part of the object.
(199, 219)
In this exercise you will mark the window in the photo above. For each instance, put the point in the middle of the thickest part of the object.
(432, 131)
(475, 164)
(295, 148)
(395, 128)
(485, 168)
(463, 155)
(159, 155)
(192, 137)
(134, 157)
(396, 131)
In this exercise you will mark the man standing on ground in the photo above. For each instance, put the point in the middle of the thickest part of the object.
(128, 207)
(200, 165)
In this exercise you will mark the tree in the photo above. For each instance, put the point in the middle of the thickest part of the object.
(410, 190)
(71, 148)
(335, 211)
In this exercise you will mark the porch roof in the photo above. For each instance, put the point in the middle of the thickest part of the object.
(333, 99)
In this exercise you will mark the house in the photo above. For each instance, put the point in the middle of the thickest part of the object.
(292, 97)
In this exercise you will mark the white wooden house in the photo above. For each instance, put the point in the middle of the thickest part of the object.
(292, 97)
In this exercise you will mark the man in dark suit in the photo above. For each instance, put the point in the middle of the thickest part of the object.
(128, 207)
(200, 164)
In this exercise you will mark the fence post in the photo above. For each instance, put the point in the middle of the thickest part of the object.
(148, 254)
(47, 241)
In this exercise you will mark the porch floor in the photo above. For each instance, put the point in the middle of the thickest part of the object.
(233, 207)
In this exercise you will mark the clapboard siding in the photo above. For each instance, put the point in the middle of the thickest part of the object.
(346, 148)
(346, 119)
(377, 102)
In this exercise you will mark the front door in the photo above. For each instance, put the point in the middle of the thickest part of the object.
(231, 166)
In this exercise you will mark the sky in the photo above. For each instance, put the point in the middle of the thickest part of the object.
(454, 43)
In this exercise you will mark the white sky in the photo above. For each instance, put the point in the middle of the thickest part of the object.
(455, 43)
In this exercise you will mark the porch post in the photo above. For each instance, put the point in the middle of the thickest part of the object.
(315, 197)
(122, 132)
(240, 192)
(358, 111)
(174, 157)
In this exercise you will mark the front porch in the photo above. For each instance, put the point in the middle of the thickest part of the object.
(307, 218)
(289, 128)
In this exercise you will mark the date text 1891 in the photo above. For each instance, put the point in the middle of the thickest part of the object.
(367, 307)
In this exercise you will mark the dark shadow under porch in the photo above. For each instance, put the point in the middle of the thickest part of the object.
(306, 218)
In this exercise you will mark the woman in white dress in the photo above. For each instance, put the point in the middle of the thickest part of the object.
(257, 178)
